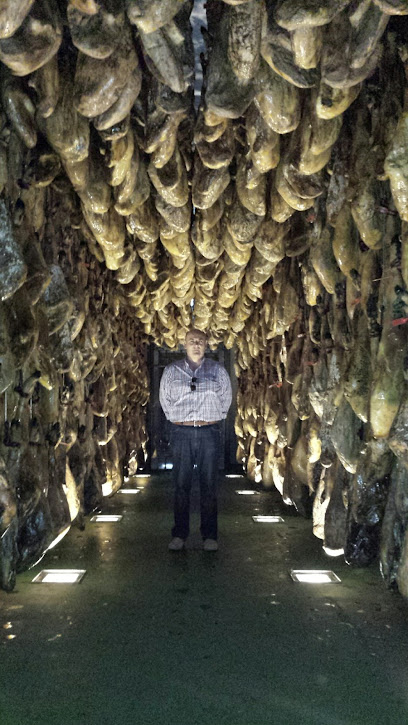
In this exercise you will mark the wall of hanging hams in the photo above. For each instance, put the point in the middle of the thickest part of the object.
(279, 205)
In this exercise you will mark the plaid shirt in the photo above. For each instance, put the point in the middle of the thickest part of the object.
(209, 401)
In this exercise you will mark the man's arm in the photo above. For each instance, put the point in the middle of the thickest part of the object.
(164, 392)
(225, 390)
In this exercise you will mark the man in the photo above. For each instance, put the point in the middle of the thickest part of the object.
(195, 394)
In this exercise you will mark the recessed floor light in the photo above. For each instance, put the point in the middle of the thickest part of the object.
(245, 492)
(101, 518)
(59, 576)
(234, 475)
(141, 475)
(129, 490)
(262, 519)
(314, 576)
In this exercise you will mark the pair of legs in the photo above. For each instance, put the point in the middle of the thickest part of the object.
(195, 446)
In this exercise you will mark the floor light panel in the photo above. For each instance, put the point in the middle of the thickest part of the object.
(314, 576)
(59, 576)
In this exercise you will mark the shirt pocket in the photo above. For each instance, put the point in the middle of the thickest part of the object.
(211, 384)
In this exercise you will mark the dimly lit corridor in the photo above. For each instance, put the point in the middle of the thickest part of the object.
(203, 269)
(161, 638)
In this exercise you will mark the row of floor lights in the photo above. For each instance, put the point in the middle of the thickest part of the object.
(303, 576)
(74, 576)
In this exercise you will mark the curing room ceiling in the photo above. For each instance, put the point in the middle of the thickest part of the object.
(245, 209)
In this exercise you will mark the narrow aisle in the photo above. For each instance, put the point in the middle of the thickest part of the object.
(151, 637)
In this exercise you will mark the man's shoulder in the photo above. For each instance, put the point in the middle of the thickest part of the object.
(213, 364)
(175, 365)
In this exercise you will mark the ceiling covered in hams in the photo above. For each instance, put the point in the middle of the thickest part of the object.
(193, 210)
(249, 177)
(288, 158)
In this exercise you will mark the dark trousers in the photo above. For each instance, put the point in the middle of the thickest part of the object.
(195, 446)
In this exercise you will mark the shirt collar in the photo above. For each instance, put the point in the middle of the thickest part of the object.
(191, 369)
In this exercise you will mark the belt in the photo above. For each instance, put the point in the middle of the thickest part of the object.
(196, 423)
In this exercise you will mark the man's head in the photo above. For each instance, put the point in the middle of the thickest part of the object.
(195, 344)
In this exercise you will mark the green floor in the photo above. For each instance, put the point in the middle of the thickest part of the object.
(152, 637)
